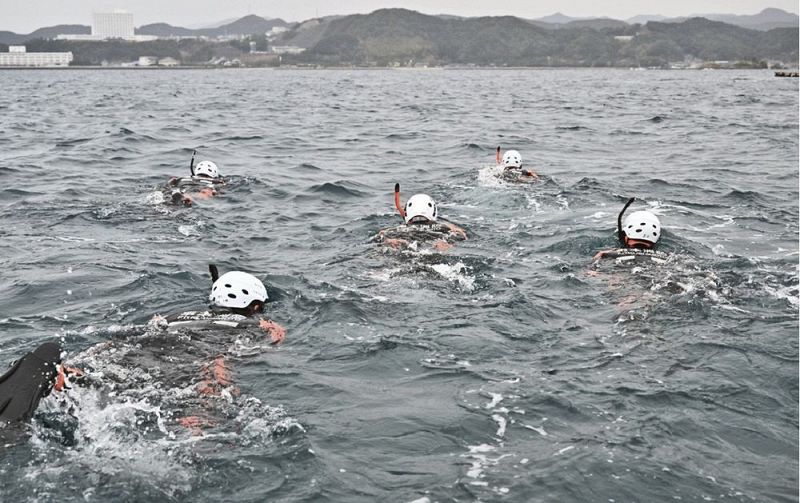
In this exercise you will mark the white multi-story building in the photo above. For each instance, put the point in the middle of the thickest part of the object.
(108, 25)
(117, 24)
(286, 49)
(18, 56)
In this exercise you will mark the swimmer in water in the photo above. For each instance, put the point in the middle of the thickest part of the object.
(237, 299)
(190, 349)
(512, 167)
(638, 234)
(421, 224)
(202, 184)
(237, 302)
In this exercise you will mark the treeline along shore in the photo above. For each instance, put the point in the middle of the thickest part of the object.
(400, 38)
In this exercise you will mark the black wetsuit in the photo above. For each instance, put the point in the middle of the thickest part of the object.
(517, 175)
(29, 380)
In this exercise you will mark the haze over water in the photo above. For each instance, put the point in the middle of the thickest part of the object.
(500, 371)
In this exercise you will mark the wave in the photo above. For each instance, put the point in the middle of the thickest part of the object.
(338, 189)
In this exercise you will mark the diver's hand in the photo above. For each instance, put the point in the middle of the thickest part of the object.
(600, 254)
(458, 231)
(276, 332)
(64, 374)
(441, 245)
(395, 243)
(206, 193)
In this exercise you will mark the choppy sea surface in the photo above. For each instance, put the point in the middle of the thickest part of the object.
(506, 369)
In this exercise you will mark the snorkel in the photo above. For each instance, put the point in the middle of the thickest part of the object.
(620, 232)
(191, 164)
(397, 203)
(497, 156)
(214, 272)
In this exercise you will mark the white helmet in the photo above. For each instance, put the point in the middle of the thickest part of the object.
(642, 225)
(237, 289)
(512, 159)
(421, 205)
(206, 168)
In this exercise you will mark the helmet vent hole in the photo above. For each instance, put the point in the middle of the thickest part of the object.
(245, 292)
(430, 205)
(227, 286)
(231, 296)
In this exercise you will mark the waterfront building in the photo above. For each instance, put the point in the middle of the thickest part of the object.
(148, 60)
(17, 55)
(286, 49)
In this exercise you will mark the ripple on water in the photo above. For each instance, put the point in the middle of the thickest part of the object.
(503, 369)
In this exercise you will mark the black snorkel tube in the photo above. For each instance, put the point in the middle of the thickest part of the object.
(214, 272)
(397, 203)
(191, 164)
(620, 232)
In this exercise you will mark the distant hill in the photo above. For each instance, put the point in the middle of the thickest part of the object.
(404, 37)
(248, 25)
(645, 18)
(389, 36)
(164, 30)
(216, 24)
(596, 24)
(767, 19)
(10, 38)
(714, 40)
(559, 21)
(66, 29)
(308, 33)
(558, 18)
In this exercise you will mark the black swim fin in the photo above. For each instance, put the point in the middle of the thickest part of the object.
(28, 381)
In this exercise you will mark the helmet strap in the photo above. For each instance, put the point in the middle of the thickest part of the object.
(397, 203)
(620, 232)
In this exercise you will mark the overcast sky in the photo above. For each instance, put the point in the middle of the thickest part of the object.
(24, 16)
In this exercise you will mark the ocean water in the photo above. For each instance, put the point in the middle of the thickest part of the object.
(506, 369)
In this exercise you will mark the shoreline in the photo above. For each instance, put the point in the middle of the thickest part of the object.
(371, 68)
